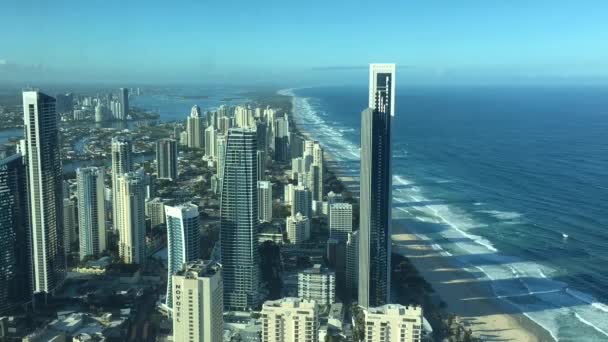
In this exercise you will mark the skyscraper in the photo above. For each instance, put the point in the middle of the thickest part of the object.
(155, 210)
(290, 320)
(91, 211)
(210, 142)
(340, 221)
(121, 164)
(265, 201)
(123, 98)
(221, 154)
(131, 217)
(15, 265)
(45, 190)
(301, 201)
(298, 228)
(182, 240)
(69, 224)
(281, 139)
(239, 221)
(194, 127)
(376, 188)
(198, 307)
(166, 159)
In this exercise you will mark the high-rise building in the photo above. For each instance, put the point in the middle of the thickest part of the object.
(45, 190)
(352, 265)
(261, 157)
(262, 136)
(340, 221)
(239, 221)
(290, 320)
(65, 103)
(15, 265)
(301, 200)
(194, 127)
(224, 124)
(123, 97)
(69, 224)
(197, 303)
(100, 112)
(288, 193)
(244, 117)
(317, 169)
(298, 228)
(376, 188)
(131, 217)
(393, 323)
(221, 154)
(210, 142)
(182, 240)
(155, 210)
(121, 164)
(317, 283)
(281, 139)
(265, 201)
(166, 159)
(91, 211)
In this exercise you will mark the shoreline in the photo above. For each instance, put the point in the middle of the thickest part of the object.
(447, 279)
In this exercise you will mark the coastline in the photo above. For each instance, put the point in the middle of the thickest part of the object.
(455, 286)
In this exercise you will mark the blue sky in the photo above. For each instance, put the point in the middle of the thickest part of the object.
(302, 41)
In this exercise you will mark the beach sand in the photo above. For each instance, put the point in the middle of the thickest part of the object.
(471, 300)
(464, 295)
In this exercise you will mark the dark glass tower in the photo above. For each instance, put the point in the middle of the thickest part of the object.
(239, 221)
(376, 185)
(15, 261)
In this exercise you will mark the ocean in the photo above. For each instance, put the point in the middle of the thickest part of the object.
(510, 183)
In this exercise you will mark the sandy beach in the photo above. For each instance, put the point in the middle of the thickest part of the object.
(472, 301)
(464, 295)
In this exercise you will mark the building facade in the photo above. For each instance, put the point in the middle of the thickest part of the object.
(121, 164)
(393, 323)
(265, 201)
(298, 228)
(198, 303)
(194, 127)
(340, 221)
(16, 266)
(239, 224)
(131, 218)
(182, 240)
(376, 188)
(290, 320)
(91, 211)
(318, 284)
(166, 159)
(45, 191)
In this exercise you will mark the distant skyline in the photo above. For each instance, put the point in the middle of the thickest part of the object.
(316, 42)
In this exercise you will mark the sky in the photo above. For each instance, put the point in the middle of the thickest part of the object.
(207, 41)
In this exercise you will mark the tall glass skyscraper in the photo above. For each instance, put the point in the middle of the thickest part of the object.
(91, 211)
(239, 221)
(376, 188)
(15, 262)
(166, 159)
(182, 240)
(45, 190)
(123, 97)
